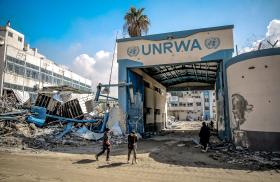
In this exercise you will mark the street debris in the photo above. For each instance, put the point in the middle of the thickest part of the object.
(181, 145)
(237, 155)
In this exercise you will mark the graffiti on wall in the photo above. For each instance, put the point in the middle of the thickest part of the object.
(239, 107)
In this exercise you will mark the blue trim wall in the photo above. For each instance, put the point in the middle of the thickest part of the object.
(124, 64)
(219, 55)
(175, 35)
(253, 54)
(135, 109)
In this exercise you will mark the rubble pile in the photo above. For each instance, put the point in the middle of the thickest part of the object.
(25, 135)
(20, 134)
(255, 160)
(117, 140)
(8, 104)
(16, 131)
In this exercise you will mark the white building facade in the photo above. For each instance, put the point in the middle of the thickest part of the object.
(23, 68)
(192, 105)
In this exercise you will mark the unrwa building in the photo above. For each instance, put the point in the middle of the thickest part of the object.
(199, 59)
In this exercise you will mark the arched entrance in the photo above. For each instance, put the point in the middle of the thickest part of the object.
(156, 64)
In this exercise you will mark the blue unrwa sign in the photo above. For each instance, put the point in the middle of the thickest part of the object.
(173, 47)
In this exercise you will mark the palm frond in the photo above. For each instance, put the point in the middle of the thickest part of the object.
(136, 22)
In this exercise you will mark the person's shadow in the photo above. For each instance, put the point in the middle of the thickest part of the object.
(84, 161)
(116, 164)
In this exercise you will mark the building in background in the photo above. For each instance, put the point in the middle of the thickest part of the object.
(25, 69)
(192, 105)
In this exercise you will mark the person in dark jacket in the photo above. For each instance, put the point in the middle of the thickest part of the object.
(132, 146)
(106, 145)
(204, 136)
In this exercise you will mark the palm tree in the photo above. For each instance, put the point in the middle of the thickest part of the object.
(135, 22)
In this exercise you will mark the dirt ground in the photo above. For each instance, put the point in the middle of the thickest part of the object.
(171, 157)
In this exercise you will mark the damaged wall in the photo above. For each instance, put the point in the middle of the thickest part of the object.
(135, 103)
(155, 107)
(254, 101)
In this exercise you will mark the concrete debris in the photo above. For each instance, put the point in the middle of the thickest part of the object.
(14, 98)
(181, 145)
(8, 104)
(21, 96)
(120, 139)
(116, 129)
(174, 124)
(116, 115)
(83, 132)
(227, 152)
(170, 121)
(20, 128)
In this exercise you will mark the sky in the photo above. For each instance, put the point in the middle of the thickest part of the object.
(81, 34)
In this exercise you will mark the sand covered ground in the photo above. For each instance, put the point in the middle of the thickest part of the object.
(171, 157)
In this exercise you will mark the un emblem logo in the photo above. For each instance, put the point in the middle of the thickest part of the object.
(212, 42)
(133, 51)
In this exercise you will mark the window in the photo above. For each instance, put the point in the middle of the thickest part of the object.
(32, 66)
(57, 81)
(198, 104)
(42, 77)
(146, 84)
(18, 87)
(206, 107)
(158, 90)
(20, 39)
(182, 104)
(57, 75)
(46, 71)
(19, 70)
(7, 85)
(190, 104)
(206, 99)
(157, 111)
(10, 67)
(76, 86)
(46, 78)
(147, 110)
(10, 34)
(14, 60)
(28, 73)
(28, 89)
(13, 86)
(35, 75)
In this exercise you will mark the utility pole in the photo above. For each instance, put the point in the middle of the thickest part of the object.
(3, 64)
